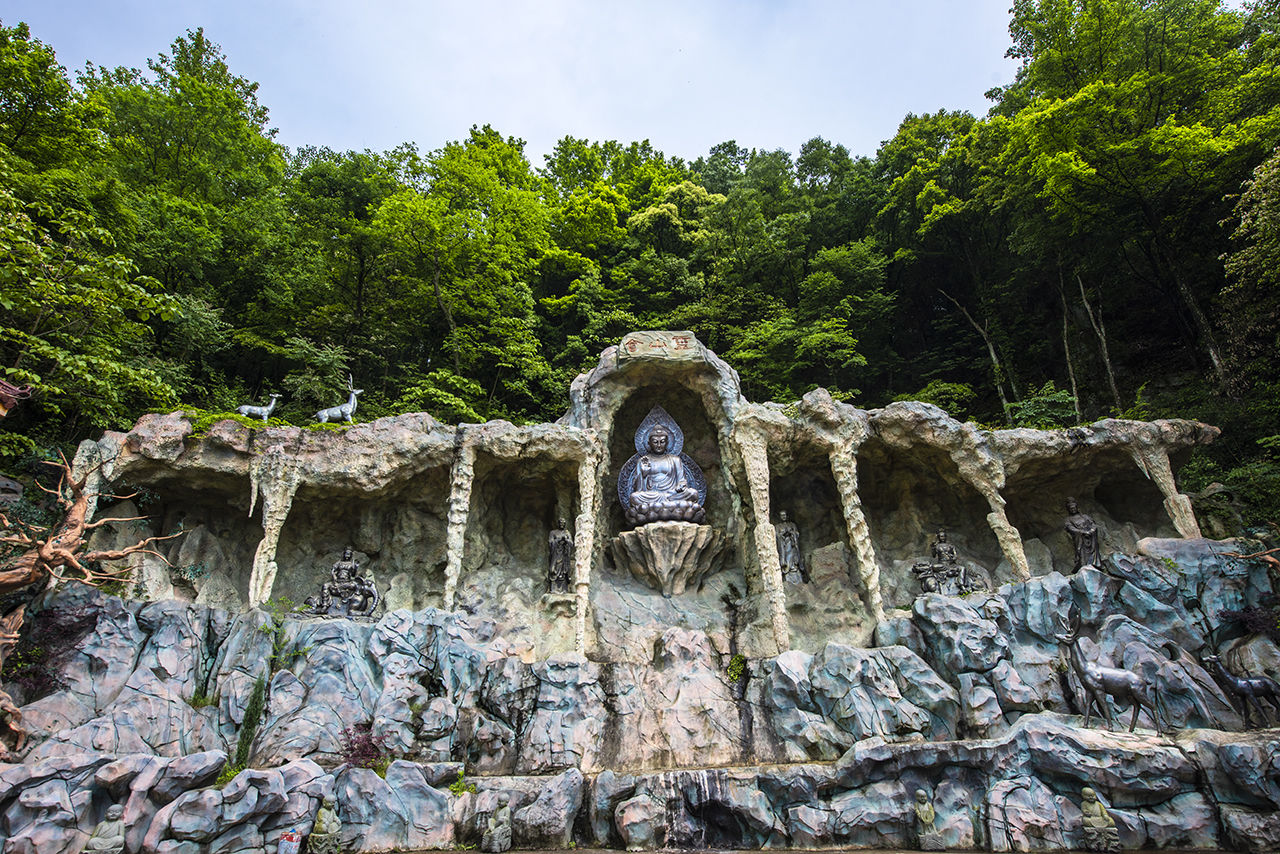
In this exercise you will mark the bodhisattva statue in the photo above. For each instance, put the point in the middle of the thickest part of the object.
(788, 535)
(1100, 833)
(927, 836)
(1084, 533)
(108, 836)
(659, 483)
(347, 594)
(323, 838)
(560, 546)
(497, 836)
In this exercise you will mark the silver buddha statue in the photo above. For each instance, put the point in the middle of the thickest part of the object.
(660, 483)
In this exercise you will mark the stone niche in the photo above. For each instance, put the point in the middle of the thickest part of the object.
(907, 495)
(514, 507)
(397, 534)
(210, 563)
(830, 606)
(1107, 484)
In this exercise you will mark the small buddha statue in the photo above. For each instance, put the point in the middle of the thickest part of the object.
(324, 833)
(927, 836)
(659, 483)
(108, 836)
(1100, 833)
(497, 836)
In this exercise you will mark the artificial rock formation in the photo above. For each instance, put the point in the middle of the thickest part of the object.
(457, 517)
(677, 697)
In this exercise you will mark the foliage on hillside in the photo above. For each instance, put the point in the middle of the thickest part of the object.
(1104, 242)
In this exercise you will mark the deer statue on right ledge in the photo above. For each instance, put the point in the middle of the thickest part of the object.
(1097, 682)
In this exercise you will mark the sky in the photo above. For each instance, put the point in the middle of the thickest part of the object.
(685, 75)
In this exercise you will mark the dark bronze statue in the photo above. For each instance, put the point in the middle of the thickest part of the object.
(1084, 534)
(347, 594)
(945, 573)
(1098, 682)
(788, 536)
(1100, 833)
(1252, 690)
(659, 483)
(560, 546)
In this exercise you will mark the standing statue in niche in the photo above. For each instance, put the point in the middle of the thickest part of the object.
(347, 594)
(497, 837)
(927, 836)
(560, 546)
(1084, 533)
(789, 549)
(659, 483)
(1100, 832)
(108, 836)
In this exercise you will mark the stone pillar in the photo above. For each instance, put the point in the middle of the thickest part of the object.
(1154, 463)
(1008, 537)
(461, 478)
(844, 466)
(754, 449)
(584, 540)
(275, 474)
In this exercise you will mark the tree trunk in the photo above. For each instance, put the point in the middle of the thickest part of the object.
(1101, 331)
(1066, 345)
(1198, 317)
(997, 370)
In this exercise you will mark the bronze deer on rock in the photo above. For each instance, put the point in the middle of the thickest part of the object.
(1098, 682)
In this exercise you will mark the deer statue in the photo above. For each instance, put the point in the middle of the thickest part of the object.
(263, 412)
(1098, 681)
(1250, 689)
(344, 411)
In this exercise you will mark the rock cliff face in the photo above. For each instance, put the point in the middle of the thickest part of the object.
(961, 698)
(713, 704)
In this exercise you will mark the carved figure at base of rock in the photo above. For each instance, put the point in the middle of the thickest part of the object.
(660, 483)
(347, 594)
(927, 836)
(560, 546)
(1100, 833)
(1084, 534)
(945, 573)
(108, 836)
(788, 536)
(326, 830)
(497, 836)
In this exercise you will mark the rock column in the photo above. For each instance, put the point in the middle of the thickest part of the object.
(275, 475)
(844, 467)
(754, 449)
(1008, 537)
(461, 478)
(584, 539)
(1154, 463)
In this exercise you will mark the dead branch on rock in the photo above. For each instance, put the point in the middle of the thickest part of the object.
(46, 555)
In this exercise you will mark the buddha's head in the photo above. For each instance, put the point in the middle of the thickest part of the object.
(1088, 794)
(659, 440)
(1072, 507)
(942, 535)
(114, 812)
(922, 796)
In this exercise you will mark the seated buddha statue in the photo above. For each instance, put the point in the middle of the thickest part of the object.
(660, 484)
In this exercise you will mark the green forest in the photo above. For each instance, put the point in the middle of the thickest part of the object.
(1104, 242)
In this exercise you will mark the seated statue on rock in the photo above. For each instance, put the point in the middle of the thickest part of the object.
(325, 833)
(108, 836)
(946, 573)
(497, 836)
(347, 594)
(927, 836)
(659, 483)
(1100, 833)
